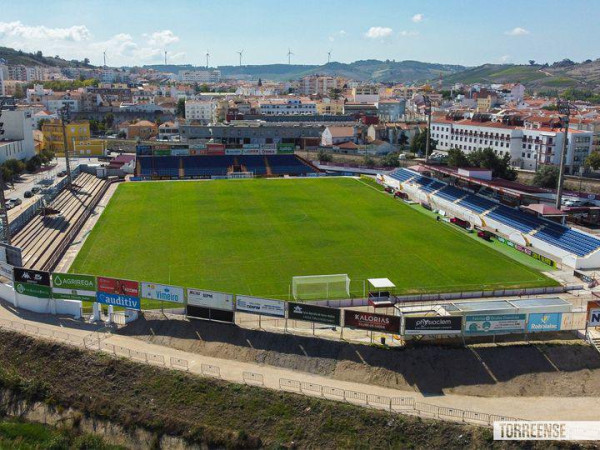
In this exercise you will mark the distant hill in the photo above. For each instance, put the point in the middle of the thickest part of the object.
(367, 70)
(15, 57)
(558, 76)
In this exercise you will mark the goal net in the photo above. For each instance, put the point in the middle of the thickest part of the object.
(320, 287)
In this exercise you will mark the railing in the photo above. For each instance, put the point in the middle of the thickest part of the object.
(403, 405)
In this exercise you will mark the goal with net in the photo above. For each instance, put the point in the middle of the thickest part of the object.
(315, 287)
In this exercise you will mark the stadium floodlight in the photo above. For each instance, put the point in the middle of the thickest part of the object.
(313, 287)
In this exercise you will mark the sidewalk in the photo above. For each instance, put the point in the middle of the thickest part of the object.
(529, 408)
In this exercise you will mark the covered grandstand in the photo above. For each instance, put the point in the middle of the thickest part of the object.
(569, 246)
(207, 166)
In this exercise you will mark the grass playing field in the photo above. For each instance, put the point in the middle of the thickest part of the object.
(253, 236)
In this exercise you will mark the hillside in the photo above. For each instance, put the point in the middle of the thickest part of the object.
(15, 57)
(367, 70)
(536, 77)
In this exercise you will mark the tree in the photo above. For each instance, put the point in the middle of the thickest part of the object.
(180, 111)
(259, 82)
(324, 156)
(593, 160)
(532, 62)
(15, 166)
(334, 93)
(488, 159)
(546, 176)
(402, 139)
(109, 120)
(33, 163)
(391, 160)
(418, 143)
(369, 161)
(86, 61)
(457, 158)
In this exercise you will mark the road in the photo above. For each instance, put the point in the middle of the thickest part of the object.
(529, 408)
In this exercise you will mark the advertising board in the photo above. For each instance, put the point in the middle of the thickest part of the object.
(143, 150)
(432, 325)
(313, 313)
(251, 151)
(233, 151)
(160, 152)
(210, 299)
(495, 323)
(269, 151)
(70, 286)
(180, 152)
(200, 312)
(6, 270)
(371, 321)
(527, 251)
(162, 292)
(246, 146)
(197, 146)
(286, 148)
(544, 322)
(116, 286)
(594, 318)
(125, 301)
(33, 290)
(262, 306)
(30, 276)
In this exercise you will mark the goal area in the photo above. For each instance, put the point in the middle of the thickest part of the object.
(316, 287)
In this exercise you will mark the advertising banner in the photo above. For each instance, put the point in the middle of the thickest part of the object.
(313, 313)
(6, 270)
(31, 276)
(251, 151)
(120, 287)
(210, 299)
(143, 150)
(371, 321)
(33, 290)
(262, 306)
(544, 321)
(594, 318)
(432, 325)
(162, 152)
(197, 146)
(233, 151)
(200, 312)
(124, 301)
(285, 148)
(495, 323)
(269, 151)
(69, 286)
(162, 292)
(180, 152)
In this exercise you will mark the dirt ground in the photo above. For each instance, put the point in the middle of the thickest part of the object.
(566, 368)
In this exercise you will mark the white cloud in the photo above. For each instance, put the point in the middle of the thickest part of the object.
(340, 34)
(378, 32)
(76, 33)
(405, 33)
(518, 31)
(504, 58)
(418, 18)
(162, 38)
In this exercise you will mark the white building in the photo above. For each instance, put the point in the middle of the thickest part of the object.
(203, 111)
(528, 147)
(17, 140)
(285, 107)
(316, 84)
(365, 94)
(199, 76)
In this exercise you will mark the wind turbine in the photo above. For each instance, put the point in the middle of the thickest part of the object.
(289, 55)
(241, 52)
(104, 54)
(165, 57)
(328, 56)
(207, 56)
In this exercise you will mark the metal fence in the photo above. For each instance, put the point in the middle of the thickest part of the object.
(403, 405)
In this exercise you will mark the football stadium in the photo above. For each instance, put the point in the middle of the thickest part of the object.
(252, 236)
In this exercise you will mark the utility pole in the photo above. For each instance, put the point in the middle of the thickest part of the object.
(65, 117)
(289, 55)
(428, 114)
(3, 210)
(328, 56)
(565, 109)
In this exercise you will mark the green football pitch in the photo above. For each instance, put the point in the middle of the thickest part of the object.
(252, 236)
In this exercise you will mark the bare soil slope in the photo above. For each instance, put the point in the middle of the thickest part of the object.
(568, 369)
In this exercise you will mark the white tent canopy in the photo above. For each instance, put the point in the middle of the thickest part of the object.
(381, 283)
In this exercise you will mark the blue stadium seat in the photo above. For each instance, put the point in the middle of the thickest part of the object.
(568, 239)
(516, 219)
(477, 204)
(402, 175)
(451, 193)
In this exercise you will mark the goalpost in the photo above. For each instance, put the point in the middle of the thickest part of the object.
(320, 287)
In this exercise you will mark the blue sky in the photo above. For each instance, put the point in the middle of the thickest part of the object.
(468, 32)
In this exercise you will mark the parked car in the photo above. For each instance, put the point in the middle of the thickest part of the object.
(8, 205)
(28, 194)
(35, 190)
(62, 173)
(15, 201)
